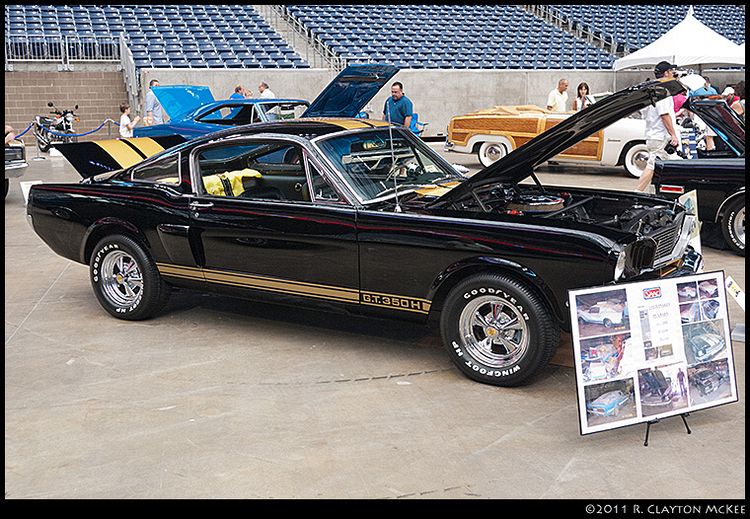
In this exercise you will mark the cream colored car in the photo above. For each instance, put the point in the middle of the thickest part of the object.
(495, 132)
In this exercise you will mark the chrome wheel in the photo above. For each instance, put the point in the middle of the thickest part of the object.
(491, 152)
(121, 279)
(493, 331)
(636, 160)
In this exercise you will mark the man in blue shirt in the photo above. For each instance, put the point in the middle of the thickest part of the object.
(240, 93)
(398, 108)
(705, 90)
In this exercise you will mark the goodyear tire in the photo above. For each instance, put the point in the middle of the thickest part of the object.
(733, 225)
(497, 331)
(125, 279)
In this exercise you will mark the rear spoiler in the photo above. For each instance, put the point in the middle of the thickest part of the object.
(94, 157)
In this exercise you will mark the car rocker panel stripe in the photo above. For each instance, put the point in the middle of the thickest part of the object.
(298, 288)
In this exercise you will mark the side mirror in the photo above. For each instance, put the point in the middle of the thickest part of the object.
(50, 104)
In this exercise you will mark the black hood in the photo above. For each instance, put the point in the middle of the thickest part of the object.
(519, 164)
(727, 124)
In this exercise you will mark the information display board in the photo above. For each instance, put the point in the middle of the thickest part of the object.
(648, 350)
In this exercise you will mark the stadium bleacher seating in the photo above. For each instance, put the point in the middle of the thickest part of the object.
(448, 36)
(635, 26)
(174, 36)
(409, 36)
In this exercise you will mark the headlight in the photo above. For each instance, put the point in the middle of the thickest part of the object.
(620, 266)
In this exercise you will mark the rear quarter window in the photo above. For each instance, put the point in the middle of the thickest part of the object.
(163, 171)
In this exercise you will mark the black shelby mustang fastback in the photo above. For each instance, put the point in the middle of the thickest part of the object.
(364, 214)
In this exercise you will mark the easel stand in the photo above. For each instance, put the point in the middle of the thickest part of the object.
(648, 427)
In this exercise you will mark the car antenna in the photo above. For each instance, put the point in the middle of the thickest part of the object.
(396, 209)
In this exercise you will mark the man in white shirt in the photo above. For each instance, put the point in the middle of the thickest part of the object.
(660, 127)
(265, 92)
(558, 97)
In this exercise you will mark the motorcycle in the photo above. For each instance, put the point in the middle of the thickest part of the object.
(61, 123)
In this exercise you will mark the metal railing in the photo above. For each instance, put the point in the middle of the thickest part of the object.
(578, 29)
(130, 74)
(61, 49)
(315, 49)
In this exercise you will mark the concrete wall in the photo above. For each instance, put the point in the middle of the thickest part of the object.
(98, 95)
(437, 94)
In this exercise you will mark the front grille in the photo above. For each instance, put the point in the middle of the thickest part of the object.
(665, 241)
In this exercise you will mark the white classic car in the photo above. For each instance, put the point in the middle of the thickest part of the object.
(495, 132)
(602, 313)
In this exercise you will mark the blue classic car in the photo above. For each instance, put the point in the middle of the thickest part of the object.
(195, 112)
(608, 404)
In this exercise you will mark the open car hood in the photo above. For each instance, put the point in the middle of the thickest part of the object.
(177, 100)
(94, 157)
(727, 124)
(351, 90)
(520, 163)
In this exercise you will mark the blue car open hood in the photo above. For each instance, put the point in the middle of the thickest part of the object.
(178, 100)
(351, 90)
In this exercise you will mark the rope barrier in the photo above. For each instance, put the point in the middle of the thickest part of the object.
(51, 132)
(24, 132)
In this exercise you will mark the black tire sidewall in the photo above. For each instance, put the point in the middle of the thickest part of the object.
(727, 226)
(149, 299)
(538, 321)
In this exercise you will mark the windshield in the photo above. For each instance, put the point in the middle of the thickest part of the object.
(374, 168)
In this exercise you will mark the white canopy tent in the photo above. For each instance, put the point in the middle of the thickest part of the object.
(690, 42)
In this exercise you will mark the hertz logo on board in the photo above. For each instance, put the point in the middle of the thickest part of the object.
(651, 293)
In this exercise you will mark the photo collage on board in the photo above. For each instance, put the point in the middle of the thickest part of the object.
(650, 350)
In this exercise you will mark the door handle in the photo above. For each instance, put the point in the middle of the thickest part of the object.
(201, 205)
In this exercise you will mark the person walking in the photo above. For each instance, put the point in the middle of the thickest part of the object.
(660, 127)
(398, 108)
(154, 111)
(558, 97)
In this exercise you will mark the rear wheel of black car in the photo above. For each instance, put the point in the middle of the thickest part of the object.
(498, 331)
(125, 279)
(733, 225)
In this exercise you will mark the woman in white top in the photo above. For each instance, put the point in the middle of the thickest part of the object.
(126, 125)
(580, 101)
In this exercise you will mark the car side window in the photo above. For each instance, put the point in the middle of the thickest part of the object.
(259, 170)
(163, 171)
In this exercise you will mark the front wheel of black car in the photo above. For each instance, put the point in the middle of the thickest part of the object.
(733, 225)
(125, 279)
(497, 331)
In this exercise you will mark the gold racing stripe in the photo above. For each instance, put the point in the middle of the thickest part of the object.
(301, 288)
(123, 154)
(147, 145)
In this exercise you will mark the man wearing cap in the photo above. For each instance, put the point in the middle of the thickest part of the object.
(660, 127)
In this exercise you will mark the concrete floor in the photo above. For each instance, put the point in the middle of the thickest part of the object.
(223, 398)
